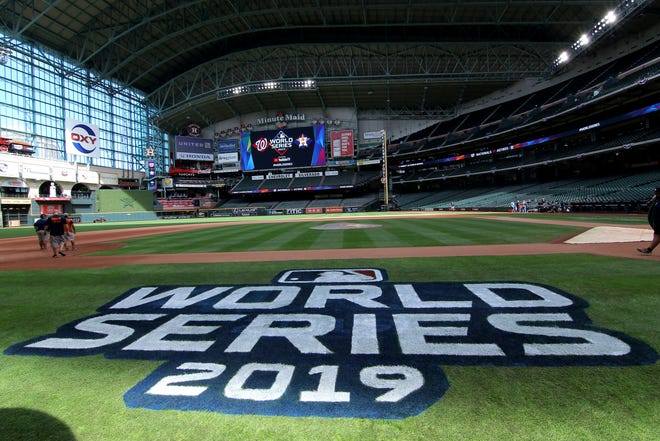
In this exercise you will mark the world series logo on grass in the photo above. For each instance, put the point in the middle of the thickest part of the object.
(332, 342)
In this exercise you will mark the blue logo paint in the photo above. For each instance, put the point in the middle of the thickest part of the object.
(332, 342)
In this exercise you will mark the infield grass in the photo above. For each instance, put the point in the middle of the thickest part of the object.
(412, 232)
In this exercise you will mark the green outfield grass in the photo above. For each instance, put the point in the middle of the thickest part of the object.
(390, 232)
(631, 219)
(81, 397)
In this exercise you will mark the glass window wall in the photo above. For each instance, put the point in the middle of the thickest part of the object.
(38, 91)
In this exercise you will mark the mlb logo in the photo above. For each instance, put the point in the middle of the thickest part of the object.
(332, 275)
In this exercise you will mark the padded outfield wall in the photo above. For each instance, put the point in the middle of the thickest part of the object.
(119, 201)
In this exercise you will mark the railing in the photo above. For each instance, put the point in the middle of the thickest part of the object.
(81, 195)
(14, 195)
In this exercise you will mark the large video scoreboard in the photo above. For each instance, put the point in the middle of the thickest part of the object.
(283, 148)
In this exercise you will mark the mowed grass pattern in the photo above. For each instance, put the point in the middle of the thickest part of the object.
(559, 403)
(489, 403)
(411, 232)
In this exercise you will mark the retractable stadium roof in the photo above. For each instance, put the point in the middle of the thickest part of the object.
(211, 60)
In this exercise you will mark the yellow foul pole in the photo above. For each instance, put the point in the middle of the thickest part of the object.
(385, 178)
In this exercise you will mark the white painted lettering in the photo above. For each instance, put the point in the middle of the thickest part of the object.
(361, 295)
(156, 339)
(364, 339)
(178, 298)
(236, 386)
(597, 343)
(410, 299)
(285, 295)
(271, 325)
(96, 325)
(412, 336)
(543, 297)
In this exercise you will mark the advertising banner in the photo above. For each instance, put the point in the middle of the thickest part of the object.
(189, 148)
(378, 134)
(227, 151)
(109, 179)
(14, 183)
(65, 174)
(38, 172)
(82, 138)
(8, 169)
(88, 177)
(342, 143)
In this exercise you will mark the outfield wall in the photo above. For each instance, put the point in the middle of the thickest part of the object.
(121, 201)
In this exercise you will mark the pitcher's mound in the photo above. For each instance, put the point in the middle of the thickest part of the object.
(344, 226)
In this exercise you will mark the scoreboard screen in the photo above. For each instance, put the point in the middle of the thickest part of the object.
(283, 148)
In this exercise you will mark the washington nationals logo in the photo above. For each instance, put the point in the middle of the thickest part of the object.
(261, 144)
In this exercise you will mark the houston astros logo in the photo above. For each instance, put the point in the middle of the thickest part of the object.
(303, 140)
(83, 138)
(332, 342)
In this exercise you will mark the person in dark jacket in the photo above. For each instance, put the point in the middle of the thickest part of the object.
(654, 222)
(56, 226)
(42, 234)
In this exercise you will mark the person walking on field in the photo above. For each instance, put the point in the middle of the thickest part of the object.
(654, 222)
(70, 234)
(56, 226)
(42, 234)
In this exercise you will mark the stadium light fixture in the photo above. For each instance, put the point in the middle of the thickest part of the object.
(562, 58)
(603, 26)
(610, 17)
(265, 87)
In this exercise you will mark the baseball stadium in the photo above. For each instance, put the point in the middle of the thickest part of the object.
(305, 220)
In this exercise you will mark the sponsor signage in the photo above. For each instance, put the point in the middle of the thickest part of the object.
(227, 148)
(281, 119)
(14, 183)
(227, 152)
(128, 183)
(9, 169)
(332, 342)
(227, 158)
(189, 148)
(82, 138)
(38, 172)
(109, 179)
(342, 143)
(21, 147)
(14, 201)
(50, 209)
(64, 174)
(88, 177)
(373, 135)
